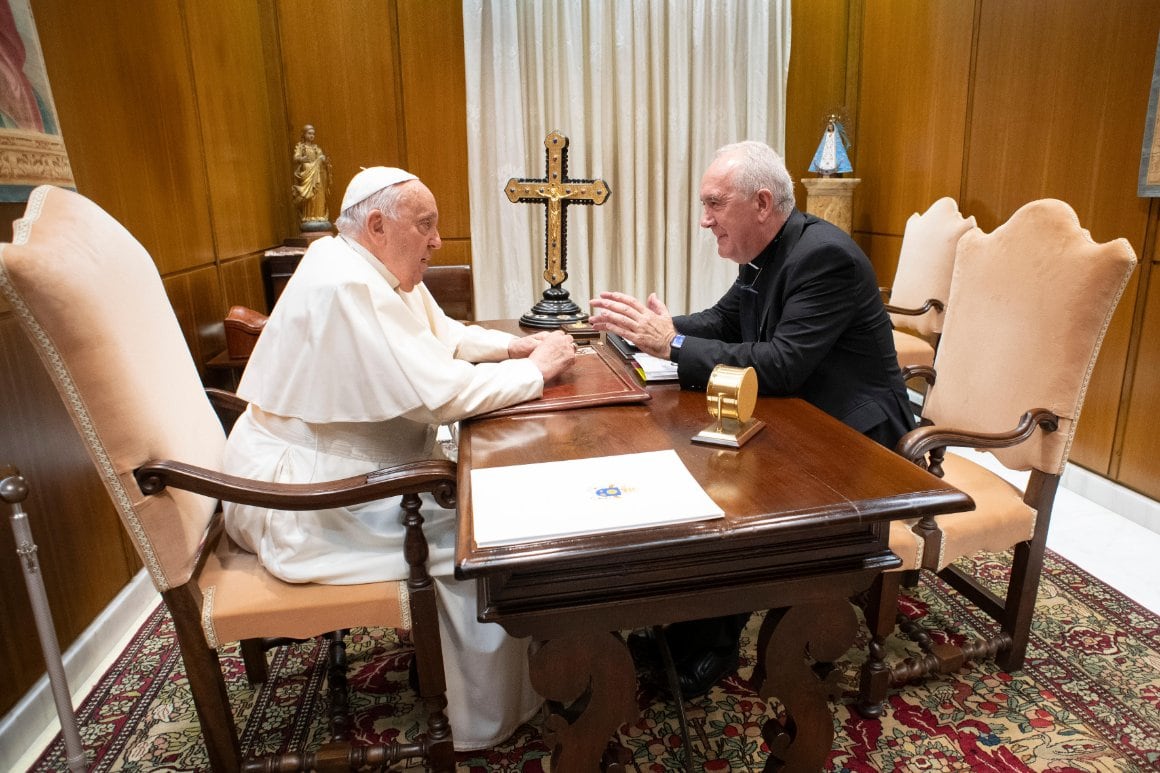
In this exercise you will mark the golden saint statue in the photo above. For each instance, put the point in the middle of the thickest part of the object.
(311, 183)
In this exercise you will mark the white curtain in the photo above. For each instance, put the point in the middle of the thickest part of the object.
(646, 91)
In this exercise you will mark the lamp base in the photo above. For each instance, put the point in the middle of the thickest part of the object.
(729, 432)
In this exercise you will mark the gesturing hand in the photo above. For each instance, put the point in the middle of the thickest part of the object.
(648, 325)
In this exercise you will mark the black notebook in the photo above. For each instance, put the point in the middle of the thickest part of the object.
(626, 349)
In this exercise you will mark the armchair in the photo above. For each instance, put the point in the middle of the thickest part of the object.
(917, 300)
(1040, 293)
(92, 303)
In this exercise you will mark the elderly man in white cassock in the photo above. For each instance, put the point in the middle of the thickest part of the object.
(354, 371)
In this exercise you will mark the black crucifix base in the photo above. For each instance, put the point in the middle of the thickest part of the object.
(556, 309)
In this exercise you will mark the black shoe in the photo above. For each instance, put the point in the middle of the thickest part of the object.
(697, 675)
(646, 655)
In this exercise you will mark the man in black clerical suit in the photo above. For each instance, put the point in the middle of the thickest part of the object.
(805, 313)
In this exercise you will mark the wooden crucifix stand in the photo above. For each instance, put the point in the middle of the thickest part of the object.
(556, 191)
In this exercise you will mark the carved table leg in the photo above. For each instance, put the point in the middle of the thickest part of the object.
(824, 631)
(881, 610)
(594, 677)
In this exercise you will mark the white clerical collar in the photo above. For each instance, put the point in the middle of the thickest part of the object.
(376, 264)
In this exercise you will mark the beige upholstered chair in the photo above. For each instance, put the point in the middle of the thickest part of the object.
(1041, 294)
(91, 301)
(922, 281)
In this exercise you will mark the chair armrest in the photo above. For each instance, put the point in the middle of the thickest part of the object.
(227, 405)
(934, 440)
(437, 477)
(925, 372)
(931, 303)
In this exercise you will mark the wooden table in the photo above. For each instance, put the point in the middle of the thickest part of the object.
(808, 503)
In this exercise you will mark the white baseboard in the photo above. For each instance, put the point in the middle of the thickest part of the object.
(1107, 493)
(32, 723)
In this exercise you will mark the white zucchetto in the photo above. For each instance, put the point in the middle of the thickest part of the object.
(372, 180)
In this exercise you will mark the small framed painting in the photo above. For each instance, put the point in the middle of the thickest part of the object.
(32, 150)
(1150, 158)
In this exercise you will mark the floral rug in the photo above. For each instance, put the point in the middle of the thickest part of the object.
(1087, 699)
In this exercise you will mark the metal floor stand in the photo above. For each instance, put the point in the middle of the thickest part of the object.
(14, 490)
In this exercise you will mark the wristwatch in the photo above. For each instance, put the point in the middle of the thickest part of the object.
(675, 347)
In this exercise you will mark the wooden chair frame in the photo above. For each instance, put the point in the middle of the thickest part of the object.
(202, 665)
(926, 446)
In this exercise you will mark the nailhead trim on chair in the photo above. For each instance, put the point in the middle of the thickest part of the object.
(405, 604)
(211, 637)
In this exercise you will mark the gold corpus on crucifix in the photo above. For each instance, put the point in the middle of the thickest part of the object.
(556, 191)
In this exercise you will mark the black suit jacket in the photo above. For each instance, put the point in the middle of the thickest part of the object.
(807, 315)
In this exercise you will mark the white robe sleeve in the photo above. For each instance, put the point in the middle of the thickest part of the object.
(342, 345)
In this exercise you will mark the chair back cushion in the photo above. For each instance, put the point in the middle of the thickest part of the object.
(1028, 309)
(925, 264)
(90, 299)
(453, 290)
(912, 350)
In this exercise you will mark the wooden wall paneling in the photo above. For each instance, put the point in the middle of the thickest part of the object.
(817, 80)
(1068, 127)
(455, 252)
(1096, 435)
(912, 112)
(242, 283)
(69, 513)
(9, 214)
(248, 193)
(121, 81)
(883, 250)
(434, 106)
(340, 70)
(1065, 126)
(282, 134)
(1138, 466)
(198, 303)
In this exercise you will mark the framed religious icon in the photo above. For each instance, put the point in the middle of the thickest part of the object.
(1150, 156)
(32, 150)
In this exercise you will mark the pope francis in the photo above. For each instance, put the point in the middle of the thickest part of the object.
(354, 371)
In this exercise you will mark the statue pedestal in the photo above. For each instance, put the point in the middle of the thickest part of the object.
(831, 198)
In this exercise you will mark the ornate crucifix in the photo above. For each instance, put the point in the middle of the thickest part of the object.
(557, 192)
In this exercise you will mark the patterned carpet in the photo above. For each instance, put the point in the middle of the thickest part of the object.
(1088, 699)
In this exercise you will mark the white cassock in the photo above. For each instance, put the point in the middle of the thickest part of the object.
(351, 374)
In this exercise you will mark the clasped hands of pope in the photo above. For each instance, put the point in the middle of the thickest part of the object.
(552, 352)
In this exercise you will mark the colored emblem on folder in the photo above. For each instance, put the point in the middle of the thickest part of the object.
(609, 492)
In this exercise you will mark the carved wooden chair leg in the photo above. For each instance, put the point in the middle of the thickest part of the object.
(881, 610)
(206, 683)
(338, 687)
(439, 745)
(254, 656)
(1024, 586)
